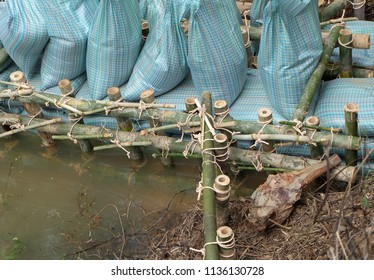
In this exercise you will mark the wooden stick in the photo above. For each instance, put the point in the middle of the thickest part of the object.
(28, 127)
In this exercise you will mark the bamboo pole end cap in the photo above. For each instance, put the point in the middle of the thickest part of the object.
(17, 77)
(351, 108)
(224, 232)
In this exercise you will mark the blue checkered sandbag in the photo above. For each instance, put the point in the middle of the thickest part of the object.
(23, 33)
(335, 94)
(360, 57)
(114, 44)
(162, 63)
(67, 22)
(216, 53)
(256, 14)
(290, 49)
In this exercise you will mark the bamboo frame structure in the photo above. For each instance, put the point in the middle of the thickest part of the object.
(208, 176)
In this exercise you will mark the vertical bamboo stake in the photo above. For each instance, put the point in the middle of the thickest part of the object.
(67, 90)
(221, 152)
(227, 243)
(145, 30)
(359, 9)
(247, 43)
(222, 186)
(190, 104)
(265, 116)
(316, 152)
(315, 79)
(32, 109)
(351, 117)
(209, 206)
(148, 97)
(345, 40)
(124, 124)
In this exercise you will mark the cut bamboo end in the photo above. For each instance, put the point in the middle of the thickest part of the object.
(226, 242)
(148, 96)
(361, 41)
(114, 94)
(220, 138)
(221, 145)
(145, 29)
(312, 121)
(351, 108)
(220, 107)
(190, 104)
(265, 115)
(345, 32)
(222, 188)
(65, 87)
(17, 77)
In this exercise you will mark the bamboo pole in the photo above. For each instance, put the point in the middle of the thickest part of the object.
(125, 124)
(333, 71)
(331, 10)
(351, 119)
(337, 20)
(316, 150)
(315, 79)
(122, 144)
(359, 9)
(31, 108)
(226, 240)
(358, 41)
(67, 91)
(208, 176)
(184, 148)
(28, 127)
(166, 116)
(78, 137)
(148, 97)
(222, 115)
(345, 39)
(318, 128)
(223, 188)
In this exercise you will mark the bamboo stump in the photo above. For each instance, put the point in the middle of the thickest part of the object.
(226, 241)
(274, 200)
(351, 118)
(265, 116)
(345, 39)
(148, 97)
(68, 91)
(125, 124)
(223, 189)
(316, 151)
(32, 109)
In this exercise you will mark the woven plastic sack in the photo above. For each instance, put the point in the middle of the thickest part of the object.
(162, 63)
(335, 94)
(114, 43)
(290, 49)
(360, 57)
(23, 33)
(216, 53)
(256, 15)
(67, 22)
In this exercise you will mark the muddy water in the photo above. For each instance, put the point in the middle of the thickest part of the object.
(55, 203)
(59, 204)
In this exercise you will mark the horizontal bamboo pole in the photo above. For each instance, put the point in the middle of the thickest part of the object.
(80, 137)
(330, 129)
(135, 105)
(168, 116)
(277, 137)
(160, 142)
(358, 41)
(122, 144)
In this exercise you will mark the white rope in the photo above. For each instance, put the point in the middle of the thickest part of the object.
(228, 244)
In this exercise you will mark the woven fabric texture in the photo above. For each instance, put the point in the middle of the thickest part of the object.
(23, 33)
(162, 63)
(114, 43)
(216, 53)
(67, 23)
(335, 94)
(290, 48)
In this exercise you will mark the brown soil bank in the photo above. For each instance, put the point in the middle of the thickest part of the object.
(326, 223)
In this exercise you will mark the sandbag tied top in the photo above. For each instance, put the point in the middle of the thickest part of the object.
(67, 22)
(114, 43)
(335, 94)
(216, 53)
(290, 49)
(23, 33)
(162, 63)
(360, 57)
